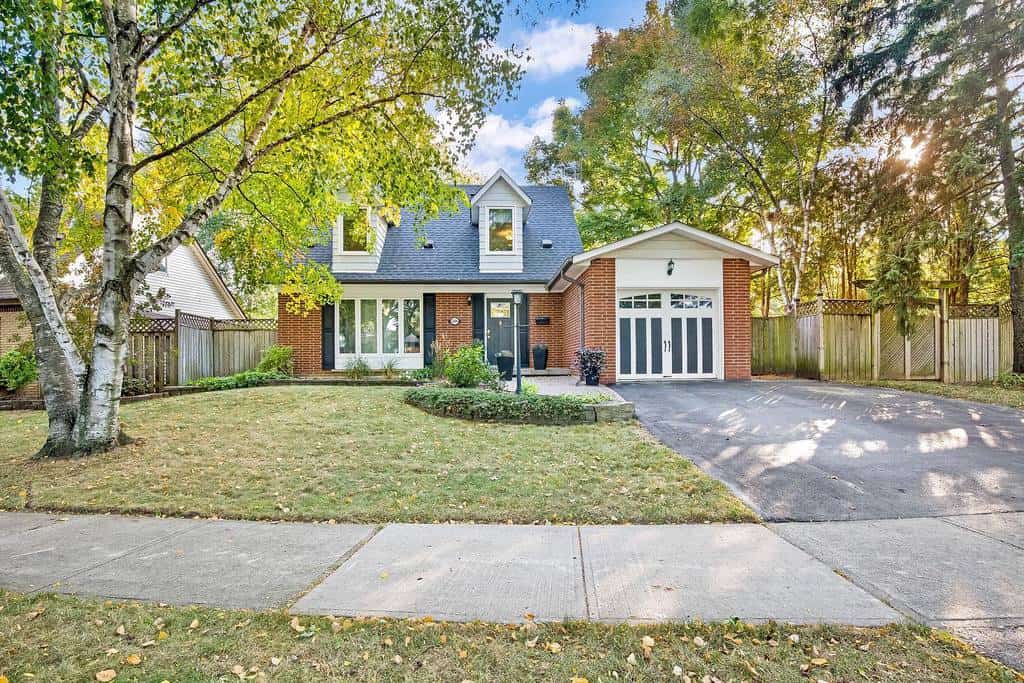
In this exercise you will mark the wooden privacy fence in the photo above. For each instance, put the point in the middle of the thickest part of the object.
(844, 339)
(169, 351)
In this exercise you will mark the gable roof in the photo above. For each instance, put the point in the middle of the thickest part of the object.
(577, 263)
(455, 257)
(500, 175)
(756, 257)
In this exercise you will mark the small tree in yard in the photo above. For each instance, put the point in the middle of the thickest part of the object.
(196, 108)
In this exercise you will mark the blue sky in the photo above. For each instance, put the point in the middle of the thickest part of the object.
(558, 43)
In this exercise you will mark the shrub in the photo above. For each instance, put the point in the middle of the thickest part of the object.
(530, 389)
(277, 358)
(480, 404)
(17, 369)
(357, 368)
(249, 378)
(1010, 380)
(466, 368)
(135, 386)
(391, 369)
(423, 374)
(440, 360)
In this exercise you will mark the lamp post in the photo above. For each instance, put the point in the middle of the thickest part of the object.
(517, 299)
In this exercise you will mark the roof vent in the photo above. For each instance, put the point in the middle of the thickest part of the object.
(429, 244)
(545, 244)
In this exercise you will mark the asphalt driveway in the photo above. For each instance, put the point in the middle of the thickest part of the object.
(810, 451)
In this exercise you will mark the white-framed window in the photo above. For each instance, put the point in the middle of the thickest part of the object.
(388, 326)
(353, 231)
(500, 230)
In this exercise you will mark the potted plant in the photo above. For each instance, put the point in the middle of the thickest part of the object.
(540, 356)
(590, 363)
(506, 364)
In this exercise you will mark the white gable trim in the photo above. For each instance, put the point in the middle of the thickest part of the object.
(500, 174)
(756, 257)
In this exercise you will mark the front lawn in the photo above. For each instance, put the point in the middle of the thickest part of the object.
(982, 393)
(58, 638)
(358, 454)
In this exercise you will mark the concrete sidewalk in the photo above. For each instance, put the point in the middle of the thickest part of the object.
(454, 572)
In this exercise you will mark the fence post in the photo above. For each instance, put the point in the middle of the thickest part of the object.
(176, 345)
(876, 344)
(795, 343)
(943, 335)
(820, 316)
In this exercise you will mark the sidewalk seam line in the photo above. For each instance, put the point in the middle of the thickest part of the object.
(141, 546)
(583, 574)
(983, 534)
(878, 594)
(345, 557)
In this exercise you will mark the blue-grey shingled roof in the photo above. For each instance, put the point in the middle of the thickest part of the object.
(455, 257)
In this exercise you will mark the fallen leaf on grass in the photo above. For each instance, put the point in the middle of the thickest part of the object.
(133, 660)
(106, 675)
(296, 625)
(698, 641)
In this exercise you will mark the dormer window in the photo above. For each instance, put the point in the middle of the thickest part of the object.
(500, 230)
(354, 227)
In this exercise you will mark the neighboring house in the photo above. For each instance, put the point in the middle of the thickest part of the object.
(189, 279)
(669, 303)
(192, 285)
(13, 325)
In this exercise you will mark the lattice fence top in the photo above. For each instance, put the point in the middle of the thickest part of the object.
(10, 308)
(806, 308)
(150, 325)
(847, 307)
(1004, 309)
(245, 324)
(195, 322)
(976, 310)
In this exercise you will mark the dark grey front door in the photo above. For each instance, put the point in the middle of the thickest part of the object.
(500, 328)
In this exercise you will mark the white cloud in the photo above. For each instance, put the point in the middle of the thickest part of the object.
(557, 47)
(501, 142)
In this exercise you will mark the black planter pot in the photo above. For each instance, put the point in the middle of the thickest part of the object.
(540, 357)
(506, 364)
(590, 379)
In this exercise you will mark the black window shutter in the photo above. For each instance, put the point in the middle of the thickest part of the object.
(524, 332)
(479, 319)
(327, 336)
(429, 327)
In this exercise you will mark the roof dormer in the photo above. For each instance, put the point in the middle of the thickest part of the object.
(500, 209)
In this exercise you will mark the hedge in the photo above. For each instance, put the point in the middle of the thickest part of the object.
(495, 406)
(249, 378)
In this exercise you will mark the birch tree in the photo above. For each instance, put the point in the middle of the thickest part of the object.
(265, 109)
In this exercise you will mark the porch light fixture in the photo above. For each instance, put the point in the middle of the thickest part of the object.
(517, 300)
(671, 266)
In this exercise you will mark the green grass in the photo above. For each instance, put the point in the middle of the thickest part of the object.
(358, 454)
(59, 638)
(982, 393)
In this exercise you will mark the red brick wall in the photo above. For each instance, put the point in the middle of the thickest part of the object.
(599, 301)
(736, 314)
(450, 306)
(302, 333)
(553, 334)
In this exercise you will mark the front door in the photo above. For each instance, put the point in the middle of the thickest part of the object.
(500, 328)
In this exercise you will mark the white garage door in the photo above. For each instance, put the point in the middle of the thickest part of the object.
(667, 334)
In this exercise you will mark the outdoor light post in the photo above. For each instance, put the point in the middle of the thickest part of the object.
(517, 299)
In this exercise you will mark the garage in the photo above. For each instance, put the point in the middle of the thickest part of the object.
(667, 335)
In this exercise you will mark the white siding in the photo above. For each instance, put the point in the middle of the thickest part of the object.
(190, 286)
(669, 246)
(342, 262)
(501, 196)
